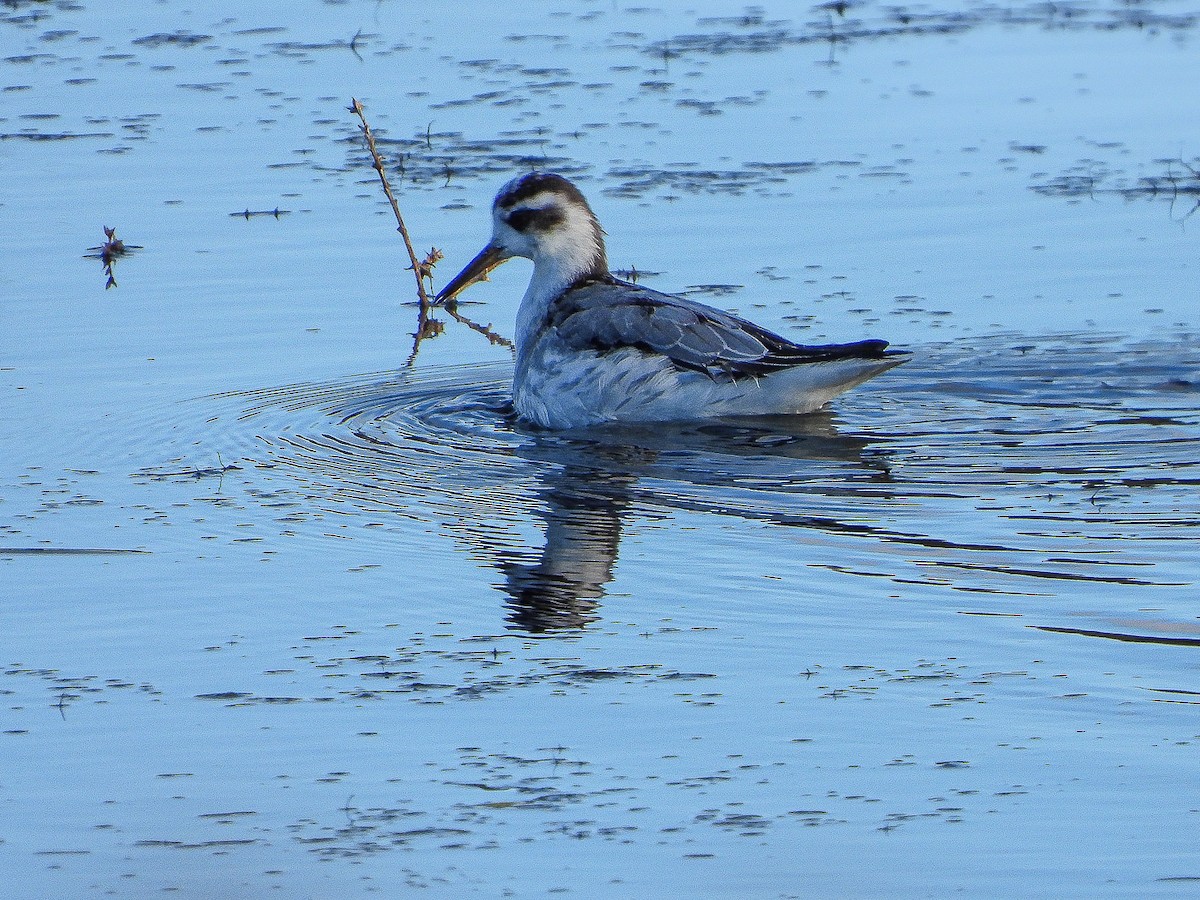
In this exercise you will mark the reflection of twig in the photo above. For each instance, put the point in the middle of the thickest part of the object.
(357, 109)
(1192, 188)
(431, 328)
(426, 328)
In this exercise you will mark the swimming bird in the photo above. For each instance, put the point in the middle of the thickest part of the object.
(592, 348)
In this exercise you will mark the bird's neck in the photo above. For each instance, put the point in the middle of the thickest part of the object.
(553, 273)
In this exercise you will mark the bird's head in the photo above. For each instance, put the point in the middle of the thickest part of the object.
(545, 218)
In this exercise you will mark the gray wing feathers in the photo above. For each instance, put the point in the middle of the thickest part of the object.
(607, 316)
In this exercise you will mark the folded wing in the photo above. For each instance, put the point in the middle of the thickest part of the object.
(608, 315)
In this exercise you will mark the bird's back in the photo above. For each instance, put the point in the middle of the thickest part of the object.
(609, 350)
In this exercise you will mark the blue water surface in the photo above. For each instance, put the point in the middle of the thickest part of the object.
(289, 610)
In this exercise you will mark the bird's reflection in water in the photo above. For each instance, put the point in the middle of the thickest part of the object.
(561, 591)
(588, 490)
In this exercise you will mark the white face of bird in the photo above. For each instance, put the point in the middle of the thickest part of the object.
(546, 219)
(549, 225)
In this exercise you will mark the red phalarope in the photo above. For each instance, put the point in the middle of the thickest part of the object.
(592, 348)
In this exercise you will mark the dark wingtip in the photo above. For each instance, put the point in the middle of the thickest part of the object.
(877, 349)
(868, 349)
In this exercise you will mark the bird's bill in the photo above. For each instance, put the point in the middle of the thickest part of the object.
(476, 270)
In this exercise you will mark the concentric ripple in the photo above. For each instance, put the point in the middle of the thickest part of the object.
(1007, 468)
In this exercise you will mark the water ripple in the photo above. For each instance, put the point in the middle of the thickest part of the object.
(1005, 468)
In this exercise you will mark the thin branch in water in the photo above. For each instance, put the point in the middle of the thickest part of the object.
(427, 327)
(422, 296)
(485, 330)
(425, 266)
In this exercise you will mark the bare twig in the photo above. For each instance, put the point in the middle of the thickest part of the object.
(422, 296)
(425, 266)
(427, 327)
(485, 330)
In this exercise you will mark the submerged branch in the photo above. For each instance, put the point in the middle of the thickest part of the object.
(485, 330)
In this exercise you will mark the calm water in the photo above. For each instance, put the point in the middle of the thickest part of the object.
(288, 612)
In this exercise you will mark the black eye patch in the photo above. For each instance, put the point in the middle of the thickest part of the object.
(542, 219)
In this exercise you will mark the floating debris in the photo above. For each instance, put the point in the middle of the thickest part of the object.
(833, 26)
(1181, 179)
(174, 39)
(109, 252)
(256, 213)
